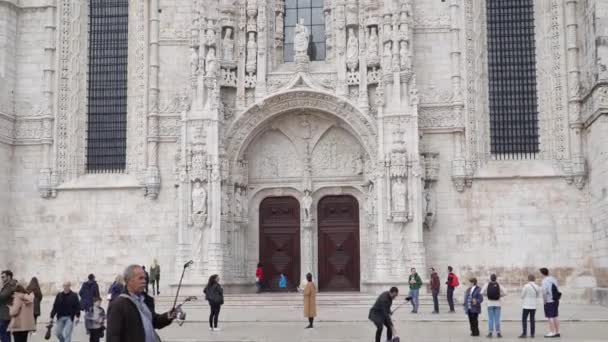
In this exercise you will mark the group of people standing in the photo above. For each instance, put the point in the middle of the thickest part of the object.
(20, 306)
(380, 314)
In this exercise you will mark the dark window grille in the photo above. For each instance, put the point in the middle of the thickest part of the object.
(512, 79)
(314, 19)
(107, 86)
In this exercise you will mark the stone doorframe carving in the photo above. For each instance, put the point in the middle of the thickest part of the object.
(240, 133)
(309, 261)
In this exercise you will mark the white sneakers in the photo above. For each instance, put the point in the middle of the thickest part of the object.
(214, 329)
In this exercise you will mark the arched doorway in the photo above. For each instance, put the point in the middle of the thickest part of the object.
(280, 240)
(338, 224)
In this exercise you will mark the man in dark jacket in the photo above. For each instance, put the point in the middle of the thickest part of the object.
(131, 316)
(435, 285)
(472, 305)
(66, 307)
(8, 285)
(88, 291)
(380, 313)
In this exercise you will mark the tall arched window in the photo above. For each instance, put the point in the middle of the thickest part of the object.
(107, 85)
(311, 11)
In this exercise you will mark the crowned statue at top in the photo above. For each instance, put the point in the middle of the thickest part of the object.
(301, 39)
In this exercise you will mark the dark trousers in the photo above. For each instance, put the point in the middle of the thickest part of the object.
(474, 323)
(95, 334)
(155, 285)
(20, 336)
(451, 298)
(214, 315)
(5, 336)
(389, 330)
(524, 318)
(435, 300)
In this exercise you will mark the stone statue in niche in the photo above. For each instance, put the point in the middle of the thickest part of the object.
(209, 35)
(278, 24)
(404, 56)
(403, 29)
(387, 55)
(352, 50)
(429, 208)
(399, 195)
(372, 45)
(228, 45)
(301, 39)
(252, 51)
(193, 61)
(212, 67)
(307, 204)
(238, 202)
(351, 13)
(199, 203)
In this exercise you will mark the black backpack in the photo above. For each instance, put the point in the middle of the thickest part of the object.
(493, 291)
(555, 293)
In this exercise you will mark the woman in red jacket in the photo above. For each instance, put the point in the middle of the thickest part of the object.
(259, 277)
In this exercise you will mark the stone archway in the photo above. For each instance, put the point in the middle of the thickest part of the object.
(247, 125)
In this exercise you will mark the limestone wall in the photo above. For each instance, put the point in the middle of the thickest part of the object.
(514, 219)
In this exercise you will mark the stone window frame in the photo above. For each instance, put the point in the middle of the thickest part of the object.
(554, 150)
(69, 157)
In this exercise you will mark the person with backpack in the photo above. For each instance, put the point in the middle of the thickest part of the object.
(472, 305)
(493, 292)
(214, 294)
(452, 284)
(529, 296)
(551, 297)
(415, 284)
(94, 321)
(88, 292)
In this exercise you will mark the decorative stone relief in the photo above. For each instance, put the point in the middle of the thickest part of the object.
(199, 205)
(212, 66)
(440, 117)
(352, 50)
(252, 53)
(337, 154)
(228, 45)
(273, 156)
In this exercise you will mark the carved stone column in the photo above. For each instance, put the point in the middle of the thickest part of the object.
(152, 176)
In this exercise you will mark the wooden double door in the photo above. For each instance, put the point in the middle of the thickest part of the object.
(338, 244)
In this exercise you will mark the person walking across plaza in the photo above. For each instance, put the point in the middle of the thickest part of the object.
(6, 298)
(155, 277)
(452, 284)
(415, 283)
(493, 292)
(22, 314)
(94, 321)
(214, 294)
(380, 313)
(88, 292)
(34, 288)
(259, 277)
(530, 294)
(116, 289)
(310, 301)
(551, 297)
(435, 285)
(131, 317)
(67, 309)
(147, 277)
(472, 305)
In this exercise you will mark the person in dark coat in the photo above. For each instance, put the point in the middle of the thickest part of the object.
(380, 313)
(147, 275)
(67, 309)
(7, 287)
(34, 287)
(131, 316)
(214, 294)
(88, 292)
(435, 285)
(472, 305)
(116, 288)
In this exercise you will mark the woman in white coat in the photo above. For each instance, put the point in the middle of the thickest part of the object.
(530, 294)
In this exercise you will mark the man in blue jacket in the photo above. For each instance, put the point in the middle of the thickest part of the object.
(88, 292)
(472, 305)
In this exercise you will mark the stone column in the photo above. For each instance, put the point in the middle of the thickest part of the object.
(152, 177)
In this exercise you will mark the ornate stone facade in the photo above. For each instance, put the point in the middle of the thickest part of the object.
(396, 117)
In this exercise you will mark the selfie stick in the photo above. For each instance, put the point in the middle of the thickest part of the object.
(186, 265)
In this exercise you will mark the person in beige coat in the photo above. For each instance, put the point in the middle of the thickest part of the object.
(310, 300)
(22, 314)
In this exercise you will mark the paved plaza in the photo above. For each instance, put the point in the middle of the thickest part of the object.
(343, 317)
